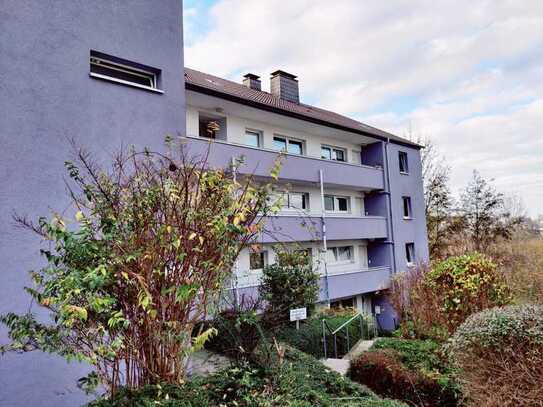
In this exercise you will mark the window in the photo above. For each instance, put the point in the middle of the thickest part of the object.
(296, 200)
(341, 254)
(410, 253)
(404, 165)
(288, 145)
(252, 138)
(345, 303)
(336, 203)
(118, 70)
(333, 153)
(258, 260)
(212, 127)
(406, 201)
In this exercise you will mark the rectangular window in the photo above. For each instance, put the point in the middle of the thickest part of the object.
(336, 203)
(406, 202)
(341, 254)
(288, 145)
(118, 70)
(296, 201)
(410, 253)
(404, 164)
(333, 153)
(252, 138)
(258, 260)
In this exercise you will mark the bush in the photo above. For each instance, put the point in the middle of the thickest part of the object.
(407, 370)
(154, 241)
(499, 355)
(434, 302)
(299, 381)
(289, 283)
(240, 330)
(308, 338)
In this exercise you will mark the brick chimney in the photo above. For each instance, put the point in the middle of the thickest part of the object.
(285, 86)
(252, 81)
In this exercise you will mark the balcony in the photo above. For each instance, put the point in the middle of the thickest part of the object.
(367, 280)
(340, 285)
(309, 228)
(294, 169)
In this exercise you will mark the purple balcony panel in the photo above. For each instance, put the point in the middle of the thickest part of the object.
(294, 168)
(349, 284)
(303, 229)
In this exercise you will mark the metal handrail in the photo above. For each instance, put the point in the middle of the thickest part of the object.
(334, 333)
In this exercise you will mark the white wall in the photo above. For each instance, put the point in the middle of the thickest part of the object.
(236, 127)
(360, 259)
(315, 202)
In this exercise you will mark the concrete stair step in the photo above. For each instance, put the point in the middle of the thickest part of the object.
(360, 347)
(338, 365)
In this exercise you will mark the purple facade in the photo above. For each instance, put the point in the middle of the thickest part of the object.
(48, 97)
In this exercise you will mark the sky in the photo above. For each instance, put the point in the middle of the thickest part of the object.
(466, 74)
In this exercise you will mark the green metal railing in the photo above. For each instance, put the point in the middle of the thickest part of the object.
(366, 326)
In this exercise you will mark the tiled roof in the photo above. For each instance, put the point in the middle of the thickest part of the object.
(200, 81)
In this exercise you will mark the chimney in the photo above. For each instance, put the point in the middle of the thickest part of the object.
(285, 86)
(252, 81)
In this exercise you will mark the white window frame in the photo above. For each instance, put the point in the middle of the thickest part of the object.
(116, 66)
(407, 200)
(335, 253)
(264, 254)
(255, 132)
(333, 150)
(288, 140)
(286, 201)
(408, 254)
(336, 204)
(405, 171)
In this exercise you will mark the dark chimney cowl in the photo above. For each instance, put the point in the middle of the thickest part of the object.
(285, 86)
(252, 81)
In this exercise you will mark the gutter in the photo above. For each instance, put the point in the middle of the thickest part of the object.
(391, 221)
(261, 106)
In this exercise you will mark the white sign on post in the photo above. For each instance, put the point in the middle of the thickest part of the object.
(298, 314)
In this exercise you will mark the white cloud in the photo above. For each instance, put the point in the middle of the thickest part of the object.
(467, 73)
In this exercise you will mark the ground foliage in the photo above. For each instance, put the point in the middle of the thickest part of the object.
(298, 381)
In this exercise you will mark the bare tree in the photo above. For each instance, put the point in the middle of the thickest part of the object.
(484, 212)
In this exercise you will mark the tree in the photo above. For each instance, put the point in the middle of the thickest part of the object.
(289, 283)
(483, 211)
(154, 241)
(437, 198)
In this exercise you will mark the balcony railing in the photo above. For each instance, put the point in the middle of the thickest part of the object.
(297, 168)
(308, 228)
(362, 280)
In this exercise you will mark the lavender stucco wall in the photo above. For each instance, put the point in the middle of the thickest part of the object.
(294, 168)
(46, 97)
(412, 230)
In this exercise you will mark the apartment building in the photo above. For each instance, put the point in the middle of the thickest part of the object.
(104, 73)
(352, 194)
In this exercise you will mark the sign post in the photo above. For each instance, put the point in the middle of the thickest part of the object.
(298, 314)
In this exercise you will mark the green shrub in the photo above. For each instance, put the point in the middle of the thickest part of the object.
(409, 370)
(289, 283)
(309, 337)
(434, 302)
(240, 330)
(499, 356)
(300, 381)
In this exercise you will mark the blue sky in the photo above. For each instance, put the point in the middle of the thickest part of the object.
(466, 74)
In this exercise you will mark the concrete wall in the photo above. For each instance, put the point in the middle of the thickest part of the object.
(46, 97)
(407, 230)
